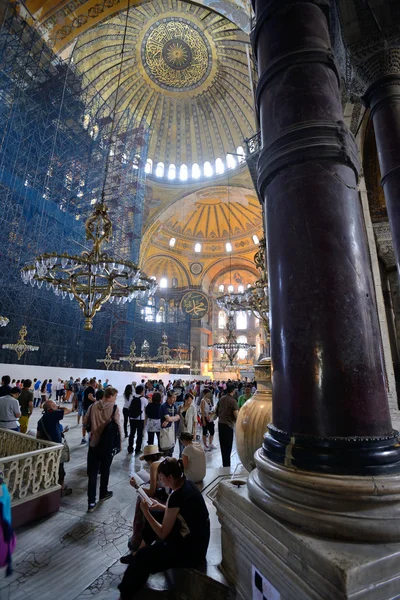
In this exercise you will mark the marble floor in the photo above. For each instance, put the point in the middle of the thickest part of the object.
(75, 555)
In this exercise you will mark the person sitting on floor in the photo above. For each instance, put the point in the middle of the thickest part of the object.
(182, 529)
(151, 456)
(193, 458)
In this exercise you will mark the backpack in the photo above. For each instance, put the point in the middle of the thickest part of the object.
(7, 536)
(110, 439)
(135, 407)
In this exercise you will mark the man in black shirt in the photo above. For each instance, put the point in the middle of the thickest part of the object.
(88, 399)
(5, 388)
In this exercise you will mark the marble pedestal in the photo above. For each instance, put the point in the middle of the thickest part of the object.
(298, 564)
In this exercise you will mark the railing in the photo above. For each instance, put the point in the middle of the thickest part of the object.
(253, 144)
(29, 466)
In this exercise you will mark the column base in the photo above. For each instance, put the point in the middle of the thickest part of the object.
(299, 565)
(346, 507)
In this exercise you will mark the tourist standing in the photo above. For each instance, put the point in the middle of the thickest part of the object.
(59, 387)
(36, 392)
(153, 424)
(227, 411)
(79, 396)
(137, 416)
(5, 387)
(246, 396)
(26, 403)
(49, 389)
(102, 418)
(10, 410)
(128, 395)
(188, 419)
(169, 419)
(207, 420)
(88, 399)
(43, 393)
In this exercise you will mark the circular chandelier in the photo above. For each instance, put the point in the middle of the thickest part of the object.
(20, 346)
(163, 359)
(93, 277)
(231, 347)
(4, 321)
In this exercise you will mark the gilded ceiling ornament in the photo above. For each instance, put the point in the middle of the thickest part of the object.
(176, 54)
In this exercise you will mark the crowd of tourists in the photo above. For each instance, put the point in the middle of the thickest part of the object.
(171, 524)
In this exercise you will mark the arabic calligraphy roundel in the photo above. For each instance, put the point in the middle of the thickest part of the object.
(176, 54)
(195, 304)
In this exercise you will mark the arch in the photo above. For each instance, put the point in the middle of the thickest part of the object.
(183, 173)
(163, 283)
(241, 320)
(172, 172)
(197, 247)
(219, 166)
(241, 155)
(196, 172)
(230, 161)
(149, 166)
(160, 169)
(242, 354)
(221, 319)
(207, 169)
(161, 265)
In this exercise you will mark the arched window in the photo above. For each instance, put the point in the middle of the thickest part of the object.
(174, 283)
(228, 247)
(240, 152)
(230, 161)
(197, 247)
(148, 311)
(219, 166)
(222, 319)
(172, 242)
(196, 173)
(183, 173)
(240, 289)
(221, 288)
(160, 169)
(172, 172)
(221, 340)
(163, 282)
(255, 239)
(242, 354)
(230, 289)
(149, 166)
(208, 170)
(241, 320)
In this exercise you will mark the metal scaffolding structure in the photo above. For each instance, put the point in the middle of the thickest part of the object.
(55, 134)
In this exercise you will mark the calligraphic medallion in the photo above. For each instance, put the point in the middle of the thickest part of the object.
(176, 54)
(195, 304)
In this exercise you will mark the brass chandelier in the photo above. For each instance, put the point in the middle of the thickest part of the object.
(163, 361)
(132, 359)
(20, 346)
(231, 347)
(93, 277)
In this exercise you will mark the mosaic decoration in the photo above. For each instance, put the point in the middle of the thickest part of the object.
(176, 54)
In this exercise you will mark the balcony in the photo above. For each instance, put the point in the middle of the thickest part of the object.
(30, 471)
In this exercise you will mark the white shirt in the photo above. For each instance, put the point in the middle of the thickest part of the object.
(196, 470)
(127, 402)
(144, 402)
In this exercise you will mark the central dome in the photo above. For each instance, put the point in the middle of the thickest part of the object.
(176, 54)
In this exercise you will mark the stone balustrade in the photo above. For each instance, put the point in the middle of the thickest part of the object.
(29, 466)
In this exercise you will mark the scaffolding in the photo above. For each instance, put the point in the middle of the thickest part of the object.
(56, 133)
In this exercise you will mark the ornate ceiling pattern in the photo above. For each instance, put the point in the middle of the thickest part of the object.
(184, 74)
(60, 22)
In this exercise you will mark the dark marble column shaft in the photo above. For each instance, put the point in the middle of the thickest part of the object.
(329, 399)
(383, 97)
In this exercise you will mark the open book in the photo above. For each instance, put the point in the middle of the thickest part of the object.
(141, 476)
(145, 497)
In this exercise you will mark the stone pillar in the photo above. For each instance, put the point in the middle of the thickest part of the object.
(328, 385)
(383, 98)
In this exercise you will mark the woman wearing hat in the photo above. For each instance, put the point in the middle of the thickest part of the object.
(152, 457)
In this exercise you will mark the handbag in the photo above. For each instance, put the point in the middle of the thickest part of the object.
(65, 452)
(167, 437)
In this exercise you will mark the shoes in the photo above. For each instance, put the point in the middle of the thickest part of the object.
(207, 448)
(125, 560)
(83, 441)
(212, 447)
(137, 452)
(107, 496)
(130, 451)
(66, 492)
(92, 507)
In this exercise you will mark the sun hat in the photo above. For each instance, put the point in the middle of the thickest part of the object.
(149, 451)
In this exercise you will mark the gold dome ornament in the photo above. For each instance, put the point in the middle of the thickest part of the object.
(93, 277)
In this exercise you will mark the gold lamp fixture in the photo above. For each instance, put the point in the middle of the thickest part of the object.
(163, 361)
(20, 346)
(107, 360)
(92, 278)
(132, 359)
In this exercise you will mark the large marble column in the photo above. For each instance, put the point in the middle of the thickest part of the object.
(331, 422)
(383, 98)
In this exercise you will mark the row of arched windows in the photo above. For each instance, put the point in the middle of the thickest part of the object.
(183, 174)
